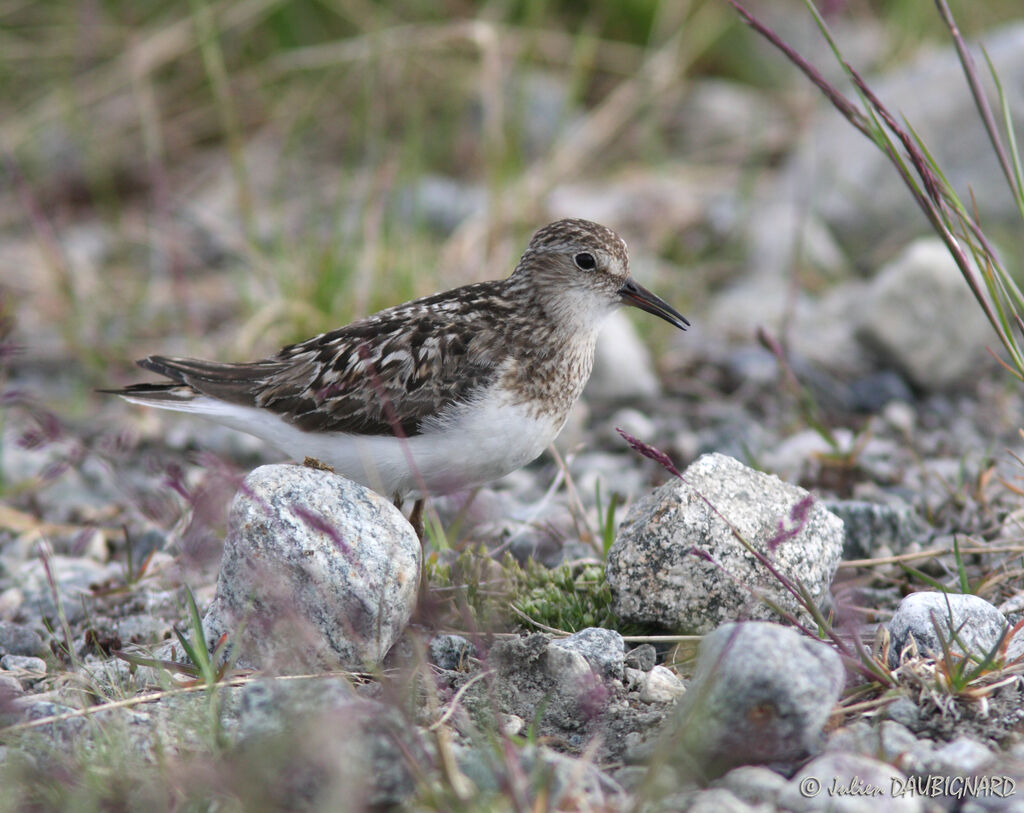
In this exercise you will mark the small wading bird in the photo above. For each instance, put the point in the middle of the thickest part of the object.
(436, 395)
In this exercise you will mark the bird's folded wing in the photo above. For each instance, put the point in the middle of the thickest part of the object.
(381, 382)
(384, 375)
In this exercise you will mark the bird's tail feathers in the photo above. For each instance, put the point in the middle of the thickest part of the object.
(193, 378)
(168, 396)
(196, 371)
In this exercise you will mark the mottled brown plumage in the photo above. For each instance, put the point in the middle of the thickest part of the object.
(522, 345)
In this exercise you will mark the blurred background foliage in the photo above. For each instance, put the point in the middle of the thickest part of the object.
(223, 177)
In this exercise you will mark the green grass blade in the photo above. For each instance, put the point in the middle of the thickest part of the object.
(965, 585)
(923, 577)
(1011, 135)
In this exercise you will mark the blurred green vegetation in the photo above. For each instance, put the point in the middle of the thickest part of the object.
(300, 130)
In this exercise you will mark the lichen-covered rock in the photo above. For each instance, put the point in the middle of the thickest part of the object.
(318, 572)
(677, 562)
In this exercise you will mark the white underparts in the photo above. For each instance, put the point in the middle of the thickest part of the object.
(474, 445)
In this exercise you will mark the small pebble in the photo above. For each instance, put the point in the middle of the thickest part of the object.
(19, 639)
(451, 652)
(10, 687)
(602, 649)
(978, 625)
(511, 724)
(642, 657)
(23, 663)
(661, 685)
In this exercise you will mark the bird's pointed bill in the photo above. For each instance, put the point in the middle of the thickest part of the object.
(634, 294)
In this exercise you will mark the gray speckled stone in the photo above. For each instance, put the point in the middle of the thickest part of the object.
(870, 526)
(63, 733)
(571, 783)
(73, 576)
(558, 688)
(920, 289)
(318, 572)
(753, 784)
(855, 189)
(977, 623)
(269, 706)
(658, 567)
(761, 693)
(962, 756)
(602, 648)
(451, 652)
(642, 657)
(23, 664)
(19, 639)
(889, 741)
(905, 712)
(716, 800)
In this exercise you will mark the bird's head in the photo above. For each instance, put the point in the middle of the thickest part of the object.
(581, 271)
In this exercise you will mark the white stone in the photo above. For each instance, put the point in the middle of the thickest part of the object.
(661, 685)
(977, 624)
(921, 317)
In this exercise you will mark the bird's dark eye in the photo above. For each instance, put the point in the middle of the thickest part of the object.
(585, 260)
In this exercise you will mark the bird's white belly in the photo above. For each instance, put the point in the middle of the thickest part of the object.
(481, 443)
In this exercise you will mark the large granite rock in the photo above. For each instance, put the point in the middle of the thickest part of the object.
(318, 572)
(677, 561)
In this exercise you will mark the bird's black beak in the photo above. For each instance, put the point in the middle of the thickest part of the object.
(639, 297)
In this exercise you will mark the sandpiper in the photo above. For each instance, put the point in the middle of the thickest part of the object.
(436, 395)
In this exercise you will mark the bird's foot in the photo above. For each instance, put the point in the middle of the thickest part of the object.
(416, 518)
(319, 465)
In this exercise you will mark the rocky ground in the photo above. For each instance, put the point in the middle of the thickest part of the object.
(850, 495)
